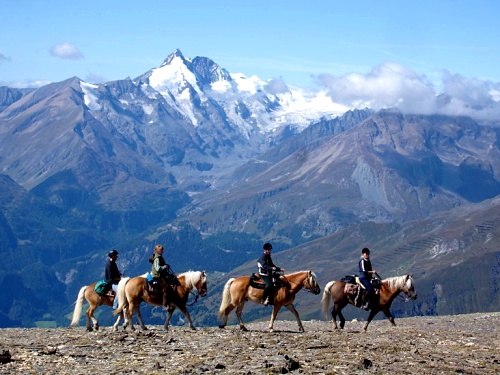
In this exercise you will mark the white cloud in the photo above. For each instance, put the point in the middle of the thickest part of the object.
(95, 78)
(24, 85)
(66, 51)
(391, 85)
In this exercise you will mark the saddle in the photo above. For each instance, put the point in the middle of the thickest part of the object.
(154, 286)
(257, 283)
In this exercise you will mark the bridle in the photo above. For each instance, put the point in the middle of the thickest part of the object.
(306, 285)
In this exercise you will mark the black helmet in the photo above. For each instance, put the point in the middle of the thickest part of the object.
(268, 246)
(365, 251)
(112, 253)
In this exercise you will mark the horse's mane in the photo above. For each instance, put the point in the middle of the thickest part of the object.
(192, 278)
(396, 282)
(297, 272)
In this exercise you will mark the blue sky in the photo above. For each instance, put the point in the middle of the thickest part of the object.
(305, 43)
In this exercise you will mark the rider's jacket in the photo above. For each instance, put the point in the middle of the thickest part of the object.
(160, 267)
(111, 273)
(265, 265)
(364, 266)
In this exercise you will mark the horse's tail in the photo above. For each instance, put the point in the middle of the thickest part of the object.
(226, 297)
(120, 294)
(325, 301)
(78, 307)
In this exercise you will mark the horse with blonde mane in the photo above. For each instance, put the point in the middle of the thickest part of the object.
(390, 289)
(132, 291)
(239, 290)
(94, 300)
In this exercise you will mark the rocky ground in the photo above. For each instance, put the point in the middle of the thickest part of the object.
(459, 344)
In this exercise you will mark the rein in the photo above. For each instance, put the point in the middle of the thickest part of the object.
(196, 296)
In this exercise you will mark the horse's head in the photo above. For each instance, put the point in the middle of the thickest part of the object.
(201, 285)
(409, 289)
(311, 284)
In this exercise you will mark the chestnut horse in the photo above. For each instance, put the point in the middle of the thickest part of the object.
(95, 300)
(390, 289)
(131, 292)
(238, 290)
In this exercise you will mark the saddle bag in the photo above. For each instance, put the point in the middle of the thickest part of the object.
(101, 287)
(154, 286)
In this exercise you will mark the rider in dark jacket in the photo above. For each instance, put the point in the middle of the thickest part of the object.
(112, 275)
(365, 276)
(266, 269)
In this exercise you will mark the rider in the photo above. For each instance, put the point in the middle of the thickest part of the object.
(160, 270)
(112, 275)
(266, 268)
(365, 276)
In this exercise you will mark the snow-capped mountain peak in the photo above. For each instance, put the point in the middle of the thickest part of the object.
(195, 87)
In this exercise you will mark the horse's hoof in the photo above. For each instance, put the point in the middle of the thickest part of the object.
(221, 326)
(243, 328)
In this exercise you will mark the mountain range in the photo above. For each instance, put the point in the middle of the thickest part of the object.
(212, 164)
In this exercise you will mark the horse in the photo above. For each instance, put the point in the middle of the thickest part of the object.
(132, 291)
(94, 300)
(389, 290)
(239, 290)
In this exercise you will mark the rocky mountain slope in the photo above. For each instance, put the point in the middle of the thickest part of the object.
(212, 164)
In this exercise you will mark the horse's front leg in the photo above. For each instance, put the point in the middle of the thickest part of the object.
(370, 318)
(389, 316)
(117, 323)
(291, 307)
(184, 310)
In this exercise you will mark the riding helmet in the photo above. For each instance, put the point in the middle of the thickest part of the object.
(365, 251)
(112, 253)
(268, 246)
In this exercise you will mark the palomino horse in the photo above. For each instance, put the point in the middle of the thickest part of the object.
(238, 290)
(390, 289)
(95, 300)
(132, 292)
